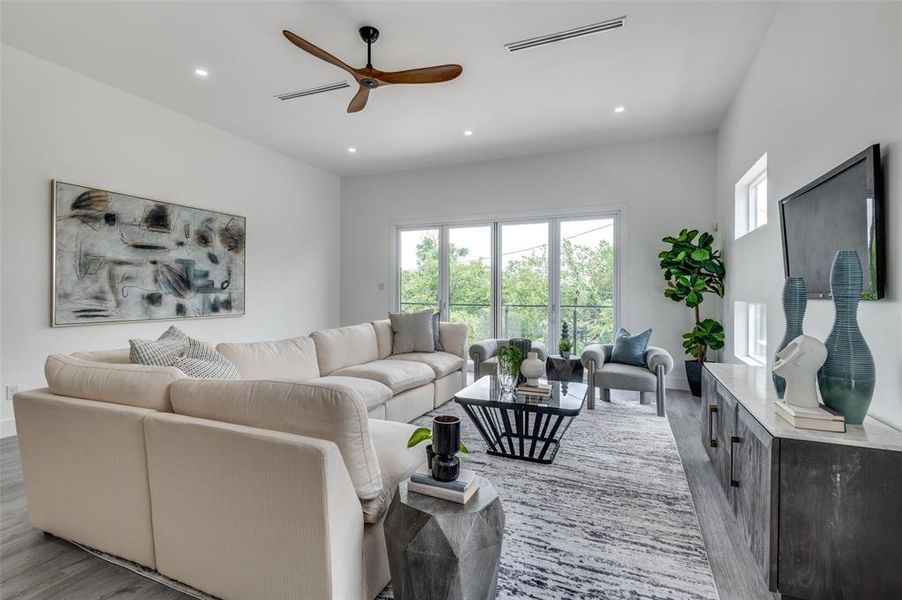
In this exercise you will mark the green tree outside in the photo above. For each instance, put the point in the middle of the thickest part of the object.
(587, 291)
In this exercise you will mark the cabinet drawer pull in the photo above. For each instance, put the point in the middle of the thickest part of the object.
(734, 439)
(712, 439)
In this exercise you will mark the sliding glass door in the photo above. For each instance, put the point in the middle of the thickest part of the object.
(586, 281)
(419, 269)
(524, 281)
(470, 280)
(515, 278)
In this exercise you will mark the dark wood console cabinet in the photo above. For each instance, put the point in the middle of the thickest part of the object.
(821, 512)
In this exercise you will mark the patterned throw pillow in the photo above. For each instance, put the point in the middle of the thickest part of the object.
(202, 361)
(162, 352)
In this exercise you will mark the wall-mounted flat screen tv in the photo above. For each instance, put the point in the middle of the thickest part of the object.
(842, 210)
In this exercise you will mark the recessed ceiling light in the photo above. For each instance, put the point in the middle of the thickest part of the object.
(202, 73)
(352, 150)
(619, 109)
(468, 133)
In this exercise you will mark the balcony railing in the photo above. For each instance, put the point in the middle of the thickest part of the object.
(589, 323)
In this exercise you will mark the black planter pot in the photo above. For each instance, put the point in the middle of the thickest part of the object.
(694, 377)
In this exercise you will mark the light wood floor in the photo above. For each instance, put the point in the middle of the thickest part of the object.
(37, 567)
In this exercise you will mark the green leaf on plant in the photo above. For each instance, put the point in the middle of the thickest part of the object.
(419, 435)
(463, 448)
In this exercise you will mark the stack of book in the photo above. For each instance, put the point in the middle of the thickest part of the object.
(541, 390)
(460, 490)
(821, 419)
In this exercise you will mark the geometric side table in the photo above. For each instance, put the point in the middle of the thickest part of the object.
(440, 550)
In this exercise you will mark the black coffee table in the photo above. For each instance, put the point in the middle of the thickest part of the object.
(522, 426)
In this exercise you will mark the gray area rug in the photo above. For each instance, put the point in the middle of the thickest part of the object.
(612, 517)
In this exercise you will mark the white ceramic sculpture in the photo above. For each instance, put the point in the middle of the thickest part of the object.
(532, 368)
(798, 364)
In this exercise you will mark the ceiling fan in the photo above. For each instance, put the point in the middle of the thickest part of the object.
(369, 78)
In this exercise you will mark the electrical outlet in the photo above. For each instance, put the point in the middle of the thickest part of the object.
(12, 389)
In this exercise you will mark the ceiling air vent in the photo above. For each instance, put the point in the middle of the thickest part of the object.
(567, 35)
(317, 90)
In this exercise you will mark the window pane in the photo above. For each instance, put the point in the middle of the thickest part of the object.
(758, 332)
(524, 281)
(587, 281)
(419, 269)
(470, 280)
(761, 202)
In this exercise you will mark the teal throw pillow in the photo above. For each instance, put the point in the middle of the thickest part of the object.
(630, 349)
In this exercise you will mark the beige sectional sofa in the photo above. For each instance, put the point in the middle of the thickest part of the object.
(273, 486)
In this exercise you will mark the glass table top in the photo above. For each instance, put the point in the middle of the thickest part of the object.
(566, 396)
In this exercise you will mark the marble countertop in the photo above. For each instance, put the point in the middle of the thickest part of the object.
(753, 388)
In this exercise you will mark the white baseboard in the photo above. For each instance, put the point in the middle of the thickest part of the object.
(7, 428)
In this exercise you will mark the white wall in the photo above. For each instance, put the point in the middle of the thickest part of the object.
(826, 83)
(663, 186)
(59, 124)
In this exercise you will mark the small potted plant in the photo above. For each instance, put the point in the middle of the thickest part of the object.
(693, 268)
(509, 359)
(566, 344)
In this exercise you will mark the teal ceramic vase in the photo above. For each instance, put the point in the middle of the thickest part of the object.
(847, 378)
(795, 300)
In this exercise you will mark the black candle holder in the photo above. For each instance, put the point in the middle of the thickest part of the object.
(445, 443)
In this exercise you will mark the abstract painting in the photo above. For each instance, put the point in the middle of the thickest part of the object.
(122, 258)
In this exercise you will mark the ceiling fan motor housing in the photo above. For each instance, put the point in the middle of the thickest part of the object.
(369, 34)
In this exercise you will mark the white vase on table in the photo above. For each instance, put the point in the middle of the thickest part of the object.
(532, 368)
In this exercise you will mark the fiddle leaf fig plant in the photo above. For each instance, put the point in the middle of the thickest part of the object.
(706, 334)
(693, 268)
(421, 434)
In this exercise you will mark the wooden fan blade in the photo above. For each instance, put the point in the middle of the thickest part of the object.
(316, 51)
(359, 100)
(436, 74)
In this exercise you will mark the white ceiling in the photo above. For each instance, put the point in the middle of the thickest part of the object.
(675, 66)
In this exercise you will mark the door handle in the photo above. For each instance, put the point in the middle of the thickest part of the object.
(734, 439)
(712, 440)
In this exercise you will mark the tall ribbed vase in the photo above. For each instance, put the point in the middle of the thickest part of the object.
(847, 378)
(795, 300)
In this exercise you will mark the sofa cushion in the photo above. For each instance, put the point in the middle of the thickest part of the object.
(442, 363)
(119, 356)
(384, 337)
(453, 337)
(331, 409)
(412, 332)
(133, 385)
(396, 463)
(397, 375)
(294, 358)
(373, 393)
(345, 346)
